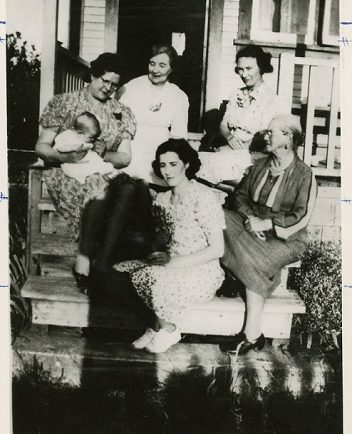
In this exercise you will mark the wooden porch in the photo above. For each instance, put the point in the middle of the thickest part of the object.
(54, 298)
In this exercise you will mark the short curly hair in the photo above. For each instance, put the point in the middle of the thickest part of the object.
(185, 153)
(106, 62)
(256, 52)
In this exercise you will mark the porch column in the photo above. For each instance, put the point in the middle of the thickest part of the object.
(214, 54)
(111, 25)
(48, 56)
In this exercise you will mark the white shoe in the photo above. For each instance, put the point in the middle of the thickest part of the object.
(163, 340)
(144, 340)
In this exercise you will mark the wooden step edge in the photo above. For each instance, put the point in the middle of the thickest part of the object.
(46, 205)
(54, 245)
(64, 290)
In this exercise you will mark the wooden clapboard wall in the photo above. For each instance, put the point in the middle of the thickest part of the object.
(93, 29)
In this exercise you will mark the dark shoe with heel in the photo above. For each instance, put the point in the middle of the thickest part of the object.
(257, 344)
(242, 345)
(228, 347)
(82, 281)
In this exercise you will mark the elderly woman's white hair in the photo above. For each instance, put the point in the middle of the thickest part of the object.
(292, 124)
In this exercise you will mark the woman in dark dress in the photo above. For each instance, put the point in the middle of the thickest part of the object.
(266, 230)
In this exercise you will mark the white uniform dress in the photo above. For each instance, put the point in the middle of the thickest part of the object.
(158, 119)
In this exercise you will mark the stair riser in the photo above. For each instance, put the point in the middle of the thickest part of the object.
(275, 325)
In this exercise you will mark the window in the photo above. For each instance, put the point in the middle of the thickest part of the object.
(284, 21)
(331, 23)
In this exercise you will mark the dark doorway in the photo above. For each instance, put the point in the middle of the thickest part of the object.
(143, 23)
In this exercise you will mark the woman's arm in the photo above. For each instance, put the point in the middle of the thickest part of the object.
(214, 250)
(120, 158)
(179, 123)
(44, 149)
(224, 128)
(286, 224)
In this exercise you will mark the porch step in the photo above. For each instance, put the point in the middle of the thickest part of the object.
(104, 361)
(52, 244)
(57, 301)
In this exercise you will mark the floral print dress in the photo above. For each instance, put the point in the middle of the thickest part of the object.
(170, 291)
(247, 112)
(116, 122)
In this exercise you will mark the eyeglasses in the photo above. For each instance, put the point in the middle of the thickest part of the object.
(108, 83)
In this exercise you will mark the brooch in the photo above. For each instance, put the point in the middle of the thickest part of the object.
(155, 107)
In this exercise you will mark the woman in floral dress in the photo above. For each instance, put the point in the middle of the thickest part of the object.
(249, 110)
(188, 272)
(99, 201)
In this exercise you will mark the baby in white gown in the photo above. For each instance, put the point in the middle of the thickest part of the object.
(85, 131)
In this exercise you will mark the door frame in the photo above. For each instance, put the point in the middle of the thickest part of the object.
(212, 56)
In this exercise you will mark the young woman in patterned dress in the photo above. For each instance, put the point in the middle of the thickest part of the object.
(188, 272)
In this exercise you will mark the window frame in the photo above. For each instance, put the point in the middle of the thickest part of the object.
(281, 37)
(326, 38)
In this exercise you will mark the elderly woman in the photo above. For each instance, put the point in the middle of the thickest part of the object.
(188, 272)
(160, 107)
(266, 230)
(99, 202)
(249, 110)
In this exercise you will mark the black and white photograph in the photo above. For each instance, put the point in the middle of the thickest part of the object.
(174, 206)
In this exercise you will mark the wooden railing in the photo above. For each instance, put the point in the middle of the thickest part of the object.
(70, 71)
(321, 123)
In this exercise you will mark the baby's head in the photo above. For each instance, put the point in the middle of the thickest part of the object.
(87, 125)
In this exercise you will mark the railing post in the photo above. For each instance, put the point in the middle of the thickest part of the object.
(308, 145)
(286, 78)
(48, 57)
(334, 107)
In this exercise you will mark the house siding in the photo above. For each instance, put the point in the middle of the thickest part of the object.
(228, 79)
(93, 28)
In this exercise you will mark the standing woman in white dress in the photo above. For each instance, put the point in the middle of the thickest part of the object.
(160, 108)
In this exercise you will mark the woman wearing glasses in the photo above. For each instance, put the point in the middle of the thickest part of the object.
(266, 229)
(161, 110)
(97, 201)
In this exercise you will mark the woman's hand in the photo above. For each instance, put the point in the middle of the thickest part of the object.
(256, 226)
(158, 258)
(100, 147)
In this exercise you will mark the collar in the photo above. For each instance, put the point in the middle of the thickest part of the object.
(256, 93)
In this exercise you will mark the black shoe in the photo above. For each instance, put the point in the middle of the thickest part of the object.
(242, 344)
(257, 344)
(229, 347)
(82, 281)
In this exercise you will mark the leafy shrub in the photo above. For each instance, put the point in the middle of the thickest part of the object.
(23, 84)
(319, 283)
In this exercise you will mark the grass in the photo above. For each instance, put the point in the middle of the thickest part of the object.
(190, 402)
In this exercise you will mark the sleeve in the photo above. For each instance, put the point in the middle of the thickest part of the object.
(67, 141)
(55, 113)
(291, 222)
(242, 195)
(120, 93)
(180, 120)
(129, 121)
(231, 107)
(209, 212)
